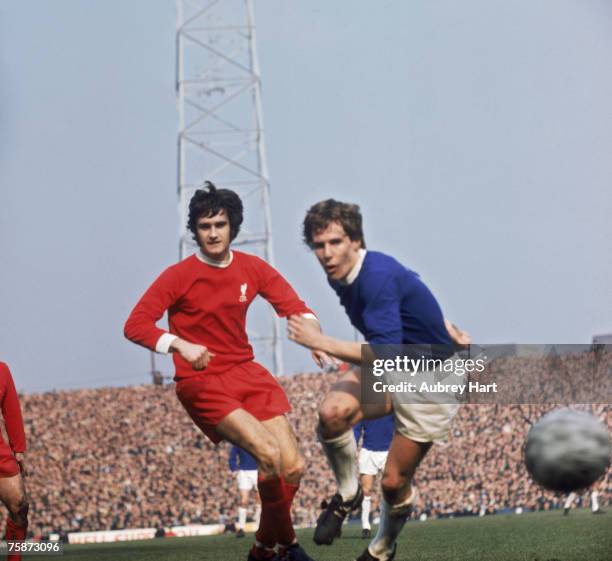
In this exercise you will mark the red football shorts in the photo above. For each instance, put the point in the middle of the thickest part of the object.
(210, 398)
(8, 464)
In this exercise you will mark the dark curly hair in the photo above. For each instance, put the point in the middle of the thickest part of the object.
(323, 213)
(208, 203)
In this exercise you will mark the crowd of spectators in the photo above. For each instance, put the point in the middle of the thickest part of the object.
(130, 457)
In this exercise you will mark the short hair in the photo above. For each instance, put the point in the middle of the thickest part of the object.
(211, 202)
(323, 213)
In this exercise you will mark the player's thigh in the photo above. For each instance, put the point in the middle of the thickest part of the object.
(244, 497)
(12, 491)
(282, 431)
(244, 430)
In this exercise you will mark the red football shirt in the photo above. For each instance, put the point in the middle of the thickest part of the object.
(11, 411)
(207, 305)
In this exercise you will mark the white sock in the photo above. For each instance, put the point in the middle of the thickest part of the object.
(392, 520)
(594, 501)
(569, 500)
(257, 515)
(366, 505)
(242, 515)
(341, 453)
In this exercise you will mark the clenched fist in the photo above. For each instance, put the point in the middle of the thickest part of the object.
(196, 355)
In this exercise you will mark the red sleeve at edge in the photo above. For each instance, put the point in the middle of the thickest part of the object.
(11, 411)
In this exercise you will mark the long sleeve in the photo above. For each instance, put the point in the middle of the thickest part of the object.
(11, 411)
(276, 290)
(140, 326)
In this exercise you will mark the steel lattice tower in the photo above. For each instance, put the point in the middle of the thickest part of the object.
(221, 137)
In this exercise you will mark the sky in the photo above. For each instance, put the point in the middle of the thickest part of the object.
(476, 137)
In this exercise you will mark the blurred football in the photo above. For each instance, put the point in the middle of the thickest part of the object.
(567, 450)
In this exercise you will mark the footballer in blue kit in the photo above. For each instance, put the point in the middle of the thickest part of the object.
(389, 304)
(245, 467)
(375, 436)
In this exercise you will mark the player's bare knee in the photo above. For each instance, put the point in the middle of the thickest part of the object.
(293, 472)
(269, 457)
(23, 511)
(393, 485)
(334, 420)
(18, 506)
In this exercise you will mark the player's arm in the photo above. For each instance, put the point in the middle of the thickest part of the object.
(197, 355)
(276, 290)
(286, 302)
(381, 319)
(141, 326)
(13, 420)
(303, 332)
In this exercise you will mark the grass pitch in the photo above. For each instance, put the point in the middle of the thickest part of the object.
(546, 536)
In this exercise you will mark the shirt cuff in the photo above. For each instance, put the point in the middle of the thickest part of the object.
(310, 315)
(164, 342)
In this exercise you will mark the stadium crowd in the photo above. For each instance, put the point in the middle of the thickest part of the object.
(130, 457)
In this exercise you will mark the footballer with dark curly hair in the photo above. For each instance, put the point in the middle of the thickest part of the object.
(226, 393)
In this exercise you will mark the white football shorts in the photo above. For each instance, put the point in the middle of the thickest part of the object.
(371, 462)
(247, 479)
(424, 423)
(420, 419)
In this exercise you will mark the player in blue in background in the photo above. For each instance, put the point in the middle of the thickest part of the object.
(245, 467)
(377, 435)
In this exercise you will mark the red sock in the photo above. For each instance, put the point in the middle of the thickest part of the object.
(15, 533)
(286, 535)
(290, 491)
(275, 523)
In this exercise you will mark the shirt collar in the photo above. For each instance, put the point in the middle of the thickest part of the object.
(354, 272)
(212, 263)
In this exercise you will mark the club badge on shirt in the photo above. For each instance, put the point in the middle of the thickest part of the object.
(243, 289)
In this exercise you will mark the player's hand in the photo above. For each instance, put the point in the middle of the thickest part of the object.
(304, 331)
(196, 355)
(460, 338)
(20, 457)
(323, 360)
